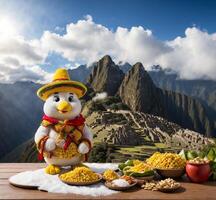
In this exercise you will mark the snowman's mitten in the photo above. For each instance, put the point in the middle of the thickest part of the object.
(60, 143)
(83, 148)
(50, 145)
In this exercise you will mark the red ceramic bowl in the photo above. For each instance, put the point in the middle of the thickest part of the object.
(198, 173)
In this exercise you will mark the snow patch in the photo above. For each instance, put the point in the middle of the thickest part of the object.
(100, 96)
(51, 183)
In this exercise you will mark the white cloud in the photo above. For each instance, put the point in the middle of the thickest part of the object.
(87, 41)
(138, 44)
(19, 59)
(24, 52)
(192, 56)
(84, 41)
(23, 73)
(99, 96)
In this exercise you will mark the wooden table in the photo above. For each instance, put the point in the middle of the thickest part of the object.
(7, 191)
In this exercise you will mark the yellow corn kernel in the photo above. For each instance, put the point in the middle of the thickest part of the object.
(80, 174)
(140, 168)
(166, 161)
(110, 175)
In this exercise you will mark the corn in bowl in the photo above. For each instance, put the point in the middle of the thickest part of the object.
(110, 175)
(166, 161)
(80, 175)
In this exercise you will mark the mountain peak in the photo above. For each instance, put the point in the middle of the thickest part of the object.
(139, 92)
(138, 68)
(106, 60)
(138, 65)
(106, 76)
(138, 73)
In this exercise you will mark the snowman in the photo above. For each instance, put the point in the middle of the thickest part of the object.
(63, 138)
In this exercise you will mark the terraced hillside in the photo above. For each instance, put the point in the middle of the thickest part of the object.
(138, 135)
(127, 134)
(137, 128)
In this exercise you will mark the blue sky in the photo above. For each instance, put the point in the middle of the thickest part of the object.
(38, 36)
(167, 18)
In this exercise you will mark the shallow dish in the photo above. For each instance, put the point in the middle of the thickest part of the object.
(109, 185)
(169, 190)
(83, 183)
(170, 173)
(23, 186)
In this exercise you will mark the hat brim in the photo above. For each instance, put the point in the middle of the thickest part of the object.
(61, 86)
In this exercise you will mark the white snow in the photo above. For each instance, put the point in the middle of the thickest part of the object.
(100, 96)
(51, 183)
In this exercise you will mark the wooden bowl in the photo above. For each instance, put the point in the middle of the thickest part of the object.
(169, 190)
(109, 185)
(170, 173)
(82, 183)
(144, 178)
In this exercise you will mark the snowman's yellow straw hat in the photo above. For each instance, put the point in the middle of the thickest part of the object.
(61, 83)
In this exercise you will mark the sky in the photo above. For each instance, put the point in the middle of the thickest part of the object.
(38, 36)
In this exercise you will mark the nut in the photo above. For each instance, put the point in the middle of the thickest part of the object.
(163, 184)
(198, 160)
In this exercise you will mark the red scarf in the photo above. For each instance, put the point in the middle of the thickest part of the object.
(77, 121)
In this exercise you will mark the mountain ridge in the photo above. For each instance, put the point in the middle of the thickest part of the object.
(22, 110)
(124, 128)
(105, 76)
(138, 91)
(18, 119)
(202, 90)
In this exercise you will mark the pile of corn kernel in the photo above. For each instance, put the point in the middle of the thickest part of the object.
(140, 168)
(110, 175)
(70, 152)
(166, 161)
(80, 174)
(137, 162)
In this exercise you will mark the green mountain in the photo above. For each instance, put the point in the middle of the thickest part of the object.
(202, 90)
(106, 76)
(121, 134)
(21, 112)
(135, 91)
(139, 93)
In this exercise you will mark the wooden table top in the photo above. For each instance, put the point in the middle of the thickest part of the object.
(7, 191)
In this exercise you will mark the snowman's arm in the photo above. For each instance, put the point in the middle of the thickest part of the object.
(40, 133)
(87, 134)
(87, 141)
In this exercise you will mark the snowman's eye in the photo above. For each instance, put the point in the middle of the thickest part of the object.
(56, 98)
(70, 98)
